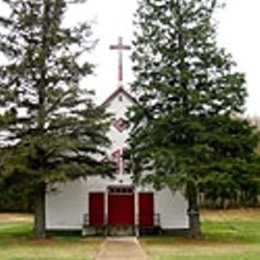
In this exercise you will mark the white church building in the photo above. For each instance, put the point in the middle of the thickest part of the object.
(115, 206)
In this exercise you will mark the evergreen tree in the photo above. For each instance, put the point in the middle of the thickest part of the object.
(188, 97)
(51, 131)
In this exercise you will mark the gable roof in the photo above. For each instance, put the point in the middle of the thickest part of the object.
(119, 90)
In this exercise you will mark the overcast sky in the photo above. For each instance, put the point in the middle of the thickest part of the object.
(238, 32)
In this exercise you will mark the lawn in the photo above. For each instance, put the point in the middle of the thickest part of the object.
(229, 235)
(16, 243)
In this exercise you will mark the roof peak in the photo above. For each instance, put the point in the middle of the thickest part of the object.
(119, 90)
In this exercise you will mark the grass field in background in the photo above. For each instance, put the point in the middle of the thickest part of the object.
(227, 235)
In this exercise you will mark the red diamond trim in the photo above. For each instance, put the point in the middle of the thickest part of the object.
(121, 124)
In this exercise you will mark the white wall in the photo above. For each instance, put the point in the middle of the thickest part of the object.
(66, 205)
(172, 207)
(118, 107)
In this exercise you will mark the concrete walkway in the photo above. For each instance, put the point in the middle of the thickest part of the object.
(121, 248)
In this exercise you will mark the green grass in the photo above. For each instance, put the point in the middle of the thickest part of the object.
(239, 231)
(226, 236)
(16, 243)
(15, 229)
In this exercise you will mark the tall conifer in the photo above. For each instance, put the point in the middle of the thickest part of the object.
(189, 96)
(51, 130)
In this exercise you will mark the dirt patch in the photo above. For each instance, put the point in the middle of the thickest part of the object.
(231, 215)
(42, 241)
(12, 217)
(201, 249)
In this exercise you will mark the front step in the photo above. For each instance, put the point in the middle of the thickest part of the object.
(94, 231)
(122, 230)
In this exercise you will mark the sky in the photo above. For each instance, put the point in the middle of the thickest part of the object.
(238, 31)
(112, 19)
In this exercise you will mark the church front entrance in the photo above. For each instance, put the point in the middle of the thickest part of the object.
(121, 205)
(121, 210)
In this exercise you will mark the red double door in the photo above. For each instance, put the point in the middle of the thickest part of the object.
(121, 207)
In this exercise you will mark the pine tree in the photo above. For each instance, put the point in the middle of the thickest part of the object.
(189, 96)
(51, 130)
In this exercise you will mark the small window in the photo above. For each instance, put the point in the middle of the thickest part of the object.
(120, 190)
(120, 98)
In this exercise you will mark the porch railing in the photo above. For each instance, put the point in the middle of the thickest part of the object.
(141, 219)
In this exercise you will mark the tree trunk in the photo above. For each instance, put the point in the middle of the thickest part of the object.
(193, 211)
(39, 212)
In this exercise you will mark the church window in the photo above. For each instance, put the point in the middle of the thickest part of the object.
(120, 98)
(120, 190)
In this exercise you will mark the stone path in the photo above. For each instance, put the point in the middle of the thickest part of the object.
(121, 248)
